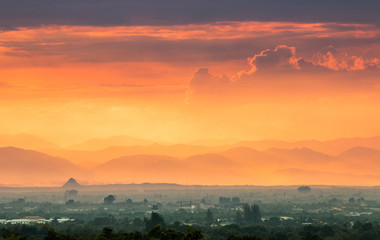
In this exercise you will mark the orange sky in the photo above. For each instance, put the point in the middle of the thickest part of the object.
(244, 80)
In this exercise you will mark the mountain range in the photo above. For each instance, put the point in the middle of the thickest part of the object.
(21, 167)
(180, 163)
(25, 141)
(99, 143)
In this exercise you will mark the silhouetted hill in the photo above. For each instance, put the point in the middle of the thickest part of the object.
(135, 161)
(32, 168)
(307, 159)
(102, 156)
(99, 144)
(300, 154)
(242, 152)
(362, 159)
(180, 163)
(25, 141)
(331, 147)
(361, 153)
(251, 157)
(216, 169)
(198, 169)
(92, 158)
(213, 142)
(141, 168)
(210, 160)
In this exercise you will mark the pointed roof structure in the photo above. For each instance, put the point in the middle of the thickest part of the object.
(71, 183)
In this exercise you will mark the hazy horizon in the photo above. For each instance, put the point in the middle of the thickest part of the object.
(59, 143)
(124, 160)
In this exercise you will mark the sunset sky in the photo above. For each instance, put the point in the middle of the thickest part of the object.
(176, 71)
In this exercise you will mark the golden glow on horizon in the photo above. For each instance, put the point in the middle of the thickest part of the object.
(78, 82)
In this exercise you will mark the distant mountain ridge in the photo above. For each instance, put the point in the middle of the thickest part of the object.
(232, 167)
(102, 156)
(103, 143)
(361, 152)
(331, 147)
(211, 165)
(25, 141)
(305, 154)
(32, 168)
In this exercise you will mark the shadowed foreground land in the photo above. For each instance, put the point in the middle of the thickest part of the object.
(171, 211)
(182, 232)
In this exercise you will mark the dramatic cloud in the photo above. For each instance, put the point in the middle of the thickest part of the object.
(84, 59)
(344, 62)
(282, 57)
(203, 78)
(282, 71)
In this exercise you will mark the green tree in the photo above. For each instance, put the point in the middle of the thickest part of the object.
(171, 235)
(256, 213)
(51, 235)
(209, 217)
(252, 214)
(193, 234)
(239, 217)
(107, 233)
(109, 199)
(155, 219)
(311, 236)
(155, 232)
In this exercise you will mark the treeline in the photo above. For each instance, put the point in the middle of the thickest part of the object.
(176, 231)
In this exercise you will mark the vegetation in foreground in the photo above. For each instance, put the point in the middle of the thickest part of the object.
(156, 228)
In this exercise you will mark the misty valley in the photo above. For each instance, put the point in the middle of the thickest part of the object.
(123, 159)
(172, 211)
(114, 189)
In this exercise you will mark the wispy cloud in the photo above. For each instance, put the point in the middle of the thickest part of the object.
(221, 41)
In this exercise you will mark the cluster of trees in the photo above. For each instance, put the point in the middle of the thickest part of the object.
(155, 219)
(227, 200)
(209, 217)
(109, 199)
(130, 202)
(304, 189)
(353, 200)
(252, 214)
(107, 233)
(176, 231)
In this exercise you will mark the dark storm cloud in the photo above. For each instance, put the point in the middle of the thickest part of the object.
(19, 13)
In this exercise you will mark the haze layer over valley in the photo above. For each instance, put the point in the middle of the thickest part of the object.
(124, 160)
